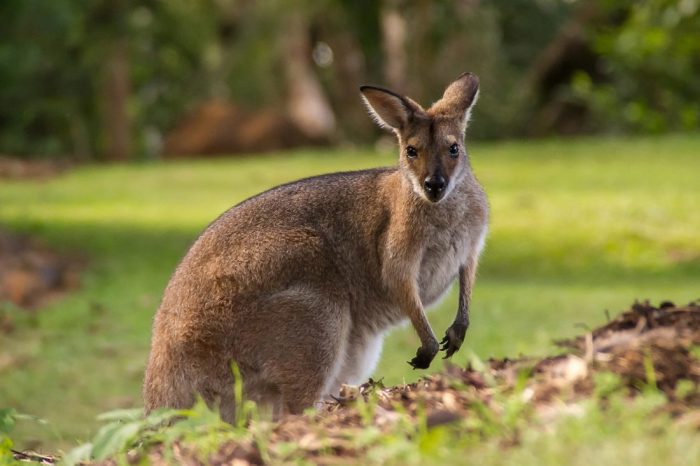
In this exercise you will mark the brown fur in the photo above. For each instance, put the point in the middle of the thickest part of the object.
(298, 285)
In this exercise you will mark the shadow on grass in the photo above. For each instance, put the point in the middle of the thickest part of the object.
(122, 253)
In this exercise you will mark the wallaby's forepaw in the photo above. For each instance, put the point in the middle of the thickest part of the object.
(454, 337)
(424, 356)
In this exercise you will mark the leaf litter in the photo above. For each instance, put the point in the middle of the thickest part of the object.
(646, 346)
(31, 274)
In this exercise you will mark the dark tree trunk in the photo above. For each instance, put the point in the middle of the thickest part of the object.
(307, 104)
(568, 52)
(394, 43)
(115, 96)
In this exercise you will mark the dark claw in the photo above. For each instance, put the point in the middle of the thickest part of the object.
(454, 337)
(423, 358)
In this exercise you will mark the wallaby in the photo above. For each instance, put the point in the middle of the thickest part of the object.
(297, 286)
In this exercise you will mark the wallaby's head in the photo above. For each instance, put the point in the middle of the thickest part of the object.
(433, 156)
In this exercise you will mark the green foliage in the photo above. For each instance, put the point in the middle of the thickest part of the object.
(606, 383)
(7, 423)
(40, 96)
(199, 427)
(649, 66)
(52, 58)
(125, 430)
(245, 409)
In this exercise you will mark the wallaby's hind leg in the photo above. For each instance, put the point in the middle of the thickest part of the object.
(291, 368)
(303, 348)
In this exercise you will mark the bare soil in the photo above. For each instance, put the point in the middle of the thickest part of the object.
(31, 274)
(222, 128)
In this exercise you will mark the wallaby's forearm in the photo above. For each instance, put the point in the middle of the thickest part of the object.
(466, 280)
(401, 277)
(413, 308)
(454, 336)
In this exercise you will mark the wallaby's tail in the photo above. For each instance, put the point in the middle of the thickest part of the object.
(166, 384)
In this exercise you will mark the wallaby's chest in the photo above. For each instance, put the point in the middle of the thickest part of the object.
(443, 255)
(446, 249)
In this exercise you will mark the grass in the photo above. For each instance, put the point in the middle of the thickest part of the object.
(627, 432)
(577, 227)
(609, 428)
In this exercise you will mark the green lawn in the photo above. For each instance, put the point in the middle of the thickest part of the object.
(577, 227)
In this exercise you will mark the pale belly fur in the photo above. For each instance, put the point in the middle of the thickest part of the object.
(438, 270)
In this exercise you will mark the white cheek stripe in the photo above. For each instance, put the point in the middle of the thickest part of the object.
(415, 184)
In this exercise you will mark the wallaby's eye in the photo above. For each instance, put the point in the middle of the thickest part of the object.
(454, 151)
(411, 152)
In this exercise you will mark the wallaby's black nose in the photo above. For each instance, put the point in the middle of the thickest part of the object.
(434, 185)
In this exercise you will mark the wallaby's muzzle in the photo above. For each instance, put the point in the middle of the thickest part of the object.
(435, 187)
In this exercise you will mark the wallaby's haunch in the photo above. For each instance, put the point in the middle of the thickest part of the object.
(298, 285)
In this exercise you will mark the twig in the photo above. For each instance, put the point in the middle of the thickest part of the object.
(34, 457)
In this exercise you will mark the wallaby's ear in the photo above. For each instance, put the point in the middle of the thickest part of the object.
(389, 110)
(459, 99)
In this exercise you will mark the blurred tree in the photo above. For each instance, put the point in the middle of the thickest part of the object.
(67, 68)
(107, 28)
(499, 40)
(109, 78)
(394, 31)
(177, 59)
(648, 61)
(43, 90)
(306, 102)
(567, 53)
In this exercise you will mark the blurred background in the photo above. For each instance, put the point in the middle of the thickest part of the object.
(585, 138)
(120, 80)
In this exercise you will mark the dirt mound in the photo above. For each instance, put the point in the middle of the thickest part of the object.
(221, 128)
(643, 337)
(14, 168)
(31, 274)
